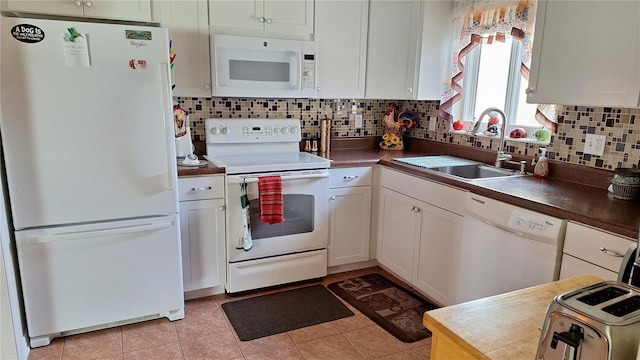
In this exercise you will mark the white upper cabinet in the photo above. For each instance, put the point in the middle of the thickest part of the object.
(341, 36)
(586, 53)
(135, 10)
(409, 49)
(290, 19)
(392, 69)
(435, 48)
(188, 24)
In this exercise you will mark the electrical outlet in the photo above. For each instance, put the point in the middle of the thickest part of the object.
(358, 121)
(432, 123)
(594, 144)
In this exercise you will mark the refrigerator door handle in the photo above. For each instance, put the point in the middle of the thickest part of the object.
(98, 233)
(168, 121)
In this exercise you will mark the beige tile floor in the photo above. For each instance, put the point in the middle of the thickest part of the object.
(205, 333)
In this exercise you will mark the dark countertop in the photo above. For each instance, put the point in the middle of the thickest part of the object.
(199, 170)
(559, 197)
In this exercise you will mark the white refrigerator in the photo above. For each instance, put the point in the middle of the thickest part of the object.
(87, 134)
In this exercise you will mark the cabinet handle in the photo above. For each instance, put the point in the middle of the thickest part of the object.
(415, 209)
(88, 4)
(528, 91)
(207, 86)
(205, 188)
(350, 177)
(268, 20)
(261, 19)
(410, 90)
(610, 252)
(332, 198)
(221, 208)
(77, 3)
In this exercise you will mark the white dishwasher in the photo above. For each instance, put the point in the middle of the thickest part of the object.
(506, 248)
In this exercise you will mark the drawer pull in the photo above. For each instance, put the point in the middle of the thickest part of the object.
(609, 252)
(205, 188)
(349, 178)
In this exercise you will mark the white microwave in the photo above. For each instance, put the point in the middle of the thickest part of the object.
(263, 67)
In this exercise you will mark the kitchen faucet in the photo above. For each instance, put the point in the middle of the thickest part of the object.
(501, 156)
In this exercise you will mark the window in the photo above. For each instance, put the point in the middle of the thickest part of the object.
(492, 79)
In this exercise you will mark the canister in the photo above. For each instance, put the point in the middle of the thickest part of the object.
(325, 135)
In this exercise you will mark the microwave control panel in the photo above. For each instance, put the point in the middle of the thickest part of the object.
(308, 72)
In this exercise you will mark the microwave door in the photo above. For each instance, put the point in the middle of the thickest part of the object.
(243, 72)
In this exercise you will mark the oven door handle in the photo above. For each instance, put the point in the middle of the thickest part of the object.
(239, 179)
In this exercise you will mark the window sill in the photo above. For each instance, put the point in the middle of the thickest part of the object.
(528, 140)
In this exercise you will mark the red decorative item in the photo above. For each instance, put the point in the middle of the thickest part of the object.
(518, 133)
(458, 125)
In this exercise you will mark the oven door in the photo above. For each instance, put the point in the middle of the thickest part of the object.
(305, 216)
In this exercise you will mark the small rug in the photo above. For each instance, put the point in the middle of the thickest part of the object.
(394, 308)
(275, 313)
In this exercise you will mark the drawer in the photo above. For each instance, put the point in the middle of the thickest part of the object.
(584, 242)
(443, 196)
(200, 187)
(352, 176)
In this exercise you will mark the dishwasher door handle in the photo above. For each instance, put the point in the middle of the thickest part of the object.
(491, 223)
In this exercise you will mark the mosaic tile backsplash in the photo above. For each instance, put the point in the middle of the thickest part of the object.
(617, 124)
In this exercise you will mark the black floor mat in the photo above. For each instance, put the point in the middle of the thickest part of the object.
(275, 313)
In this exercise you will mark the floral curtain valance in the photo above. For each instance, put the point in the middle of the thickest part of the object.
(485, 21)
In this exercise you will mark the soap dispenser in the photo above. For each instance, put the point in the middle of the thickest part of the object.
(541, 169)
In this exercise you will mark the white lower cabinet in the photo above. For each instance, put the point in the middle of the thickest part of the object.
(588, 250)
(349, 215)
(419, 232)
(202, 225)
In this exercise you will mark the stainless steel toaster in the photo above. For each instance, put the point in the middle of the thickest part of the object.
(599, 321)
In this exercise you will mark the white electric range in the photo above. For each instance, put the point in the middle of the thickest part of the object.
(295, 249)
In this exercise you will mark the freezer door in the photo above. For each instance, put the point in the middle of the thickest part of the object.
(87, 127)
(83, 276)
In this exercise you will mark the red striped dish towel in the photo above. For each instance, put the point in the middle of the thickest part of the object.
(271, 207)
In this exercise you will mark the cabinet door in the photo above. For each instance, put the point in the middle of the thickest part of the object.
(289, 16)
(392, 69)
(341, 35)
(349, 225)
(572, 266)
(398, 232)
(137, 10)
(438, 263)
(243, 14)
(285, 18)
(586, 53)
(203, 246)
(53, 7)
(188, 25)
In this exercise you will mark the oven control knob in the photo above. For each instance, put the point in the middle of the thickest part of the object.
(226, 130)
(284, 131)
(215, 130)
(294, 130)
(276, 130)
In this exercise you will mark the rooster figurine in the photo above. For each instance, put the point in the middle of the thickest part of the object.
(394, 130)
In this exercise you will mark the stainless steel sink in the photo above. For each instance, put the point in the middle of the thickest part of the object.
(462, 168)
(475, 171)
